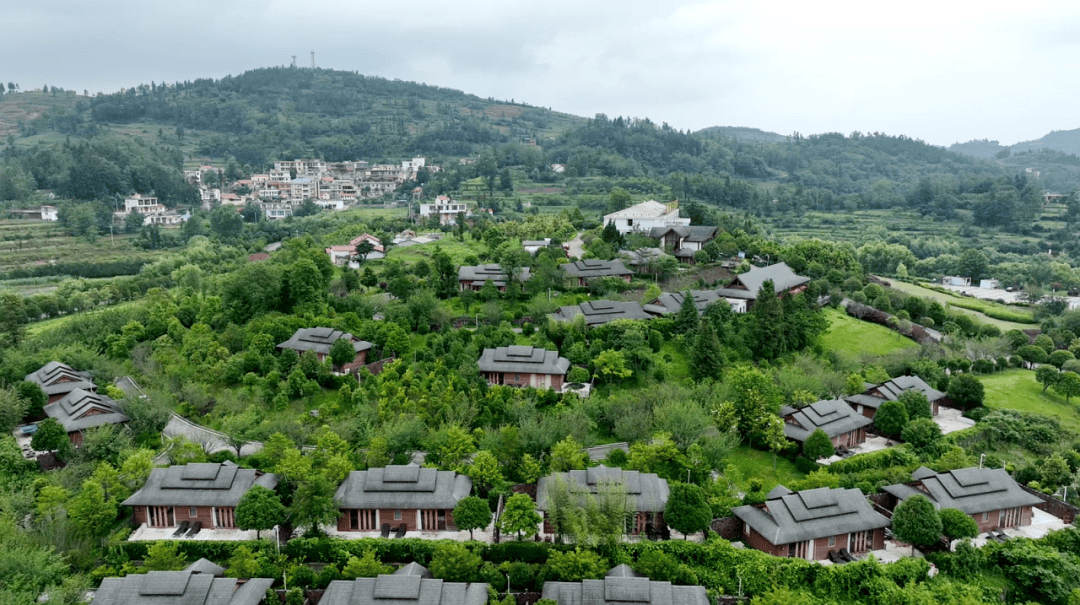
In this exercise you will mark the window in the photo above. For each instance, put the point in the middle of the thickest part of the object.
(193, 512)
(832, 540)
(629, 222)
(397, 515)
(986, 516)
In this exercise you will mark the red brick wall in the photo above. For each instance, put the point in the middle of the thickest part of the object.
(557, 381)
(140, 514)
(181, 514)
(1025, 516)
(758, 542)
(879, 539)
(990, 523)
(822, 548)
(408, 517)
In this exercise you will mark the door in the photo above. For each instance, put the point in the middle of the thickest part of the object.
(442, 520)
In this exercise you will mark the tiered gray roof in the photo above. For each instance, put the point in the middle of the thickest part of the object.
(623, 586)
(180, 588)
(972, 490)
(811, 514)
(601, 311)
(56, 378)
(410, 585)
(876, 395)
(405, 487)
(749, 284)
(834, 416)
(593, 268)
(671, 302)
(689, 233)
(199, 484)
(524, 360)
(480, 274)
(320, 340)
(206, 566)
(649, 491)
(80, 410)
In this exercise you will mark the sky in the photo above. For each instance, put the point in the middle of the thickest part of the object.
(942, 71)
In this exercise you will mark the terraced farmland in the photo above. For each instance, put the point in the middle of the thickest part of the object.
(27, 244)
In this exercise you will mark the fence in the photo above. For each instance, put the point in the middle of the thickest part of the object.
(729, 528)
(1062, 510)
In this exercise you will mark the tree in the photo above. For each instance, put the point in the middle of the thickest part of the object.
(706, 358)
(956, 524)
(688, 318)
(1047, 376)
(34, 397)
(243, 563)
(611, 364)
(566, 455)
(966, 392)
(484, 472)
(574, 566)
(687, 510)
(13, 407)
(891, 418)
(259, 509)
(363, 249)
(51, 436)
(454, 562)
(1068, 385)
(313, 503)
(916, 404)
(818, 445)
(342, 352)
(915, 521)
(472, 513)
(1032, 354)
(1058, 358)
(91, 511)
(163, 556)
(366, 566)
(520, 517)
(611, 235)
(239, 429)
(755, 398)
(921, 433)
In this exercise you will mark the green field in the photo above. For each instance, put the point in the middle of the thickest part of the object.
(945, 299)
(853, 338)
(1017, 390)
(758, 464)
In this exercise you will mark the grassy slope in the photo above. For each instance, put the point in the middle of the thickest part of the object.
(1017, 390)
(853, 338)
(28, 106)
(944, 299)
(758, 464)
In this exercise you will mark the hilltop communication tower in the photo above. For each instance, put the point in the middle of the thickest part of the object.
(294, 61)
(312, 59)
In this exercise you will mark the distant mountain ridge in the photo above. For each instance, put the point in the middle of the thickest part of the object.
(1065, 141)
(742, 133)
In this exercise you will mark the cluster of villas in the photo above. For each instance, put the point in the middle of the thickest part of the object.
(203, 583)
(73, 400)
(418, 501)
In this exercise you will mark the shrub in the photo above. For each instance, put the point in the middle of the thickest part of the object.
(805, 465)
(965, 391)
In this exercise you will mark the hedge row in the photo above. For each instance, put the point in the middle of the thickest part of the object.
(880, 460)
(993, 310)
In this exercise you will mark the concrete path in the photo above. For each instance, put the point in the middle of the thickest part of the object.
(577, 247)
(211, 440)
(951, 420)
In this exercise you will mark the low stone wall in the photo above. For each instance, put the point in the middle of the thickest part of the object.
(377, 367)
(1062, 510)
(729, 528)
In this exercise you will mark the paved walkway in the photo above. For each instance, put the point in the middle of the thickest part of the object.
(144, 533)
(872, 444)
(577, 247)
(951, 420)
(1042, 523)
(211, 440)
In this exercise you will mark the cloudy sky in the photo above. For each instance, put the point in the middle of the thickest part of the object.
(943, 71)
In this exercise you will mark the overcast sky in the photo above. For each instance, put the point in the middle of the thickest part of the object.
(942, 71)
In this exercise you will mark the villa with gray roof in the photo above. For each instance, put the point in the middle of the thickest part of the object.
(842, 424)
(204, 492)
(811, 523)
(58, 379)
(868, 402)
(989, 495)
(669, 303)
(620, 586)
(422, 499)
(747, 285)
(521, 366)
(648, 491)
(474, 278)
(181, 588)
(80, 410)
(598, 312)
(412, 584)
(321, 340)
(684, 240)
(581, 272)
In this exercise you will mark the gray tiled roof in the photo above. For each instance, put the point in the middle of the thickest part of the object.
(811, 514)
(642, 256)
(893, 388)
(479, 274)
(523, 360)
(622, 586)
(56, 378)
(601, 311)
(834, 416)
(649, 490)
(592, 267)
(690, 233)
(180, 588)
(410, 585)
(671, 302)
(199, 484)
(406, 487)
(206, 566)
(782, 276)
(972, 490)
(320, 340)
(80, 410)
(865, 400)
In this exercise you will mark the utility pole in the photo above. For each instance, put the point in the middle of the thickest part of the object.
(312, 59)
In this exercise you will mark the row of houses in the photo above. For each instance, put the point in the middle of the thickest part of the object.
(411, 584)
(73, 400)
(409, 498)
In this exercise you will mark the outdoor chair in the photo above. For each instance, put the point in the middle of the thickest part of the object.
(386, 530)
(182, 529)
(196, 528)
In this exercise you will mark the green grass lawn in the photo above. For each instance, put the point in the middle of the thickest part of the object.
(757, 464)
(854, 338)
(1017, 390)
(945, 299)
(457, 250)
